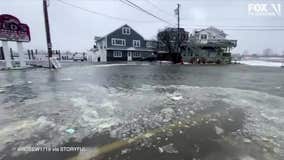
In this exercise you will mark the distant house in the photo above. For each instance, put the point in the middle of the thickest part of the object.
(209, 45)
(123, 44)
(209, 34)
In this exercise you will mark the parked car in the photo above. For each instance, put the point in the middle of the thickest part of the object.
(78, 57)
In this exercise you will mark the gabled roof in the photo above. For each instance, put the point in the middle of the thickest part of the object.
(125, 25)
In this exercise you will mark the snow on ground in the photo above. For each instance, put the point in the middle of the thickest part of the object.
(261, 63)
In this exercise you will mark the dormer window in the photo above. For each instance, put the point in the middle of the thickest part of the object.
(126, 30)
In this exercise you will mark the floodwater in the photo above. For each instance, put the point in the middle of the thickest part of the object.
(143, 111)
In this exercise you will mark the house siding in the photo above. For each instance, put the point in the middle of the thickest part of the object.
(106, 53)
(128, 38)
(144, 54)
(111, 58)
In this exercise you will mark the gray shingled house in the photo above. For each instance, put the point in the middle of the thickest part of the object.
(123, 44)
(208, 45)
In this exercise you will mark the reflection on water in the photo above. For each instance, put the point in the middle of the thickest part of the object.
(144, 112)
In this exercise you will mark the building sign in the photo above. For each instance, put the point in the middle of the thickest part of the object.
(11, 29)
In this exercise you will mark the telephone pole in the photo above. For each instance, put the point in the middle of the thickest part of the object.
(178, 15)
(178, 30)
(47, 29)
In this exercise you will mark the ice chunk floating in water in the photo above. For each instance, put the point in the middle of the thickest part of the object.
(219, 130)
(176, 97)
(168, 149)
(133, 112)
(70, 130)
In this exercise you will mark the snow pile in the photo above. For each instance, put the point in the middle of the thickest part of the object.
(261, 63)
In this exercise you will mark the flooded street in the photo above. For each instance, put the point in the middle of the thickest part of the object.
(143, 111)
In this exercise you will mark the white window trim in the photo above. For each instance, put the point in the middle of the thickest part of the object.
(117, 54)
(136, 42)
(127, 29)
(136, 54)
(113, 42)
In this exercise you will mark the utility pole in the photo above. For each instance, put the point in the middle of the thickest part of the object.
(178, 29)
(178, 15)
(47, 29)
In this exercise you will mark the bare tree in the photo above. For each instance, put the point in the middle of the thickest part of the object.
(165, 38)
(170, 40)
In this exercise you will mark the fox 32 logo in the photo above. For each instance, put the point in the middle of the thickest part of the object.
(264, 9)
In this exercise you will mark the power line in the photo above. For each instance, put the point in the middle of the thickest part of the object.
(158, 8)
(255, 29)
(238, 26)
(133, 5)
(101, 14)
(246, 29)
(224, 27)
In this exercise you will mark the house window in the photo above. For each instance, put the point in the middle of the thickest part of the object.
(136, 43)
(136, 54)
(203, 36)
(118, 42)
(117, 53)
(126, 30)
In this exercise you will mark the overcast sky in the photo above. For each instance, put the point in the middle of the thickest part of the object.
(74, 29)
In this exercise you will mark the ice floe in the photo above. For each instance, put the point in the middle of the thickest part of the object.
(247, 158)
(169, 148)
(70, 130)
(246, 140)
(176, 97)
(125, 151)
(2, 90)
(29, 82)
(219, 130)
